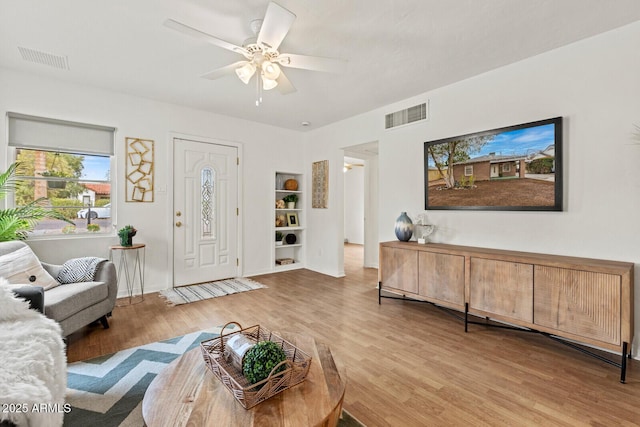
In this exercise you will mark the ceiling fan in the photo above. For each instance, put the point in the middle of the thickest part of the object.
(262, 57)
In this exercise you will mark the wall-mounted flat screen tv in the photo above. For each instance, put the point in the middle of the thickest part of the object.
(512, 168)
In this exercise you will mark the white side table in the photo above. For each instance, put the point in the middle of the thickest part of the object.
(131, 264)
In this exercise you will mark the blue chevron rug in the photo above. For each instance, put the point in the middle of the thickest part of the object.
(107, 391)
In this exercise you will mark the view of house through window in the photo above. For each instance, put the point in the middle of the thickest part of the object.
(76, 185)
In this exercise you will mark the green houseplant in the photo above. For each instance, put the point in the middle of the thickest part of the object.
(260, 360)
(126, 234)
(17, 222)
(291, 200)
(279, 236)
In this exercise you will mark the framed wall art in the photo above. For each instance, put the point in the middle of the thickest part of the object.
(139, 170)
(512, 168)
(320, 184)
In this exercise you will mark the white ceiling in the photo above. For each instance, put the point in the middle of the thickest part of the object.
(396, 48)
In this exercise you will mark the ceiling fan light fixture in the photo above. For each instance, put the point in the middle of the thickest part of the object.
(270, 70)
(268, 84)
(246, 72)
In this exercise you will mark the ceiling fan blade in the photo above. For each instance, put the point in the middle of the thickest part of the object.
(190, 31)
(221, 72)
(315, 63)
(275, 26)
(284, 85)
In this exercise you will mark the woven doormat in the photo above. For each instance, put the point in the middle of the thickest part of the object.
(202, 291)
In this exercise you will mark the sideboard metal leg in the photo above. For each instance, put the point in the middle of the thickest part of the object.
(379, 291)
(623, 367)
(466, 315)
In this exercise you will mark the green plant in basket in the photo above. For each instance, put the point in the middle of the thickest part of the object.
(260, 360)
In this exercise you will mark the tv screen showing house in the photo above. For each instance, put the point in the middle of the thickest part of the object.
(512, 168)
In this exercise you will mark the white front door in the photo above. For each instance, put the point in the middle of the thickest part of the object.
(205, 216)
(495, 172)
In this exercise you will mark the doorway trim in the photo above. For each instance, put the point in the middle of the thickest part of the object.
(369, 153)
(170, 208)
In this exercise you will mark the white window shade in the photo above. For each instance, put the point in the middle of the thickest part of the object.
(59, 135)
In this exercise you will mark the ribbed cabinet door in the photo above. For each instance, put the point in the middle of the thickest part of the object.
(584, 303)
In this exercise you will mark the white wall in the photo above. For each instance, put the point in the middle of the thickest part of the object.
(265, 148)
(593, 84)
(354, 205)
(371, 212)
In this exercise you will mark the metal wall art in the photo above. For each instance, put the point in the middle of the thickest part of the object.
(139, 170)
(320, 184)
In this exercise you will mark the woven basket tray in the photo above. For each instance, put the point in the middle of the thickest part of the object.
(249, 395)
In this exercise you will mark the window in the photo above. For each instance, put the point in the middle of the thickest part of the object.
(70, 165)
(468, 170)
(506, 167)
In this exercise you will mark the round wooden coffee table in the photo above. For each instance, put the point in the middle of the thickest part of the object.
(187, 393)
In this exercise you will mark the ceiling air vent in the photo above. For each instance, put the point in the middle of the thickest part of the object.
(56, 61)
(406, 116)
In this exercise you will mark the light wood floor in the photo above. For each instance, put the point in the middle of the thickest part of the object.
(407, 364)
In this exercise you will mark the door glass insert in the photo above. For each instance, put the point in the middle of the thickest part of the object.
(207, 203)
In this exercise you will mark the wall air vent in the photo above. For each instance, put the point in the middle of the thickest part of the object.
(43, 58)
(406, 116)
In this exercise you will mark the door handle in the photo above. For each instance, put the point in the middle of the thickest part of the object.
(178, 213)
(178, 224)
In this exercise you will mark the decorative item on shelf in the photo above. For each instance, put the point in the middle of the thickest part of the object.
(284, 261)
(404, 227)
(291, 239)
(126, 234)
(292, 219)
(280, 204)
(422, 229)
(291, 200)
(291, 184)
(279, 237)
(281, 221)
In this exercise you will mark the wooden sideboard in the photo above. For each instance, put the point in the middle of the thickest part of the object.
(589, 301)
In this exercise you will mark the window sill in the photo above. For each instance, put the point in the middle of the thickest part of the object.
(71, 236)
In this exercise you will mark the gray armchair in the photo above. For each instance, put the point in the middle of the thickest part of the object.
(75, 305)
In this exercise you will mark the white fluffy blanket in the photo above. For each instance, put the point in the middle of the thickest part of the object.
(33, 367)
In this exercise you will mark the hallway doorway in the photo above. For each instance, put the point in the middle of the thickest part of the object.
(362, 159)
